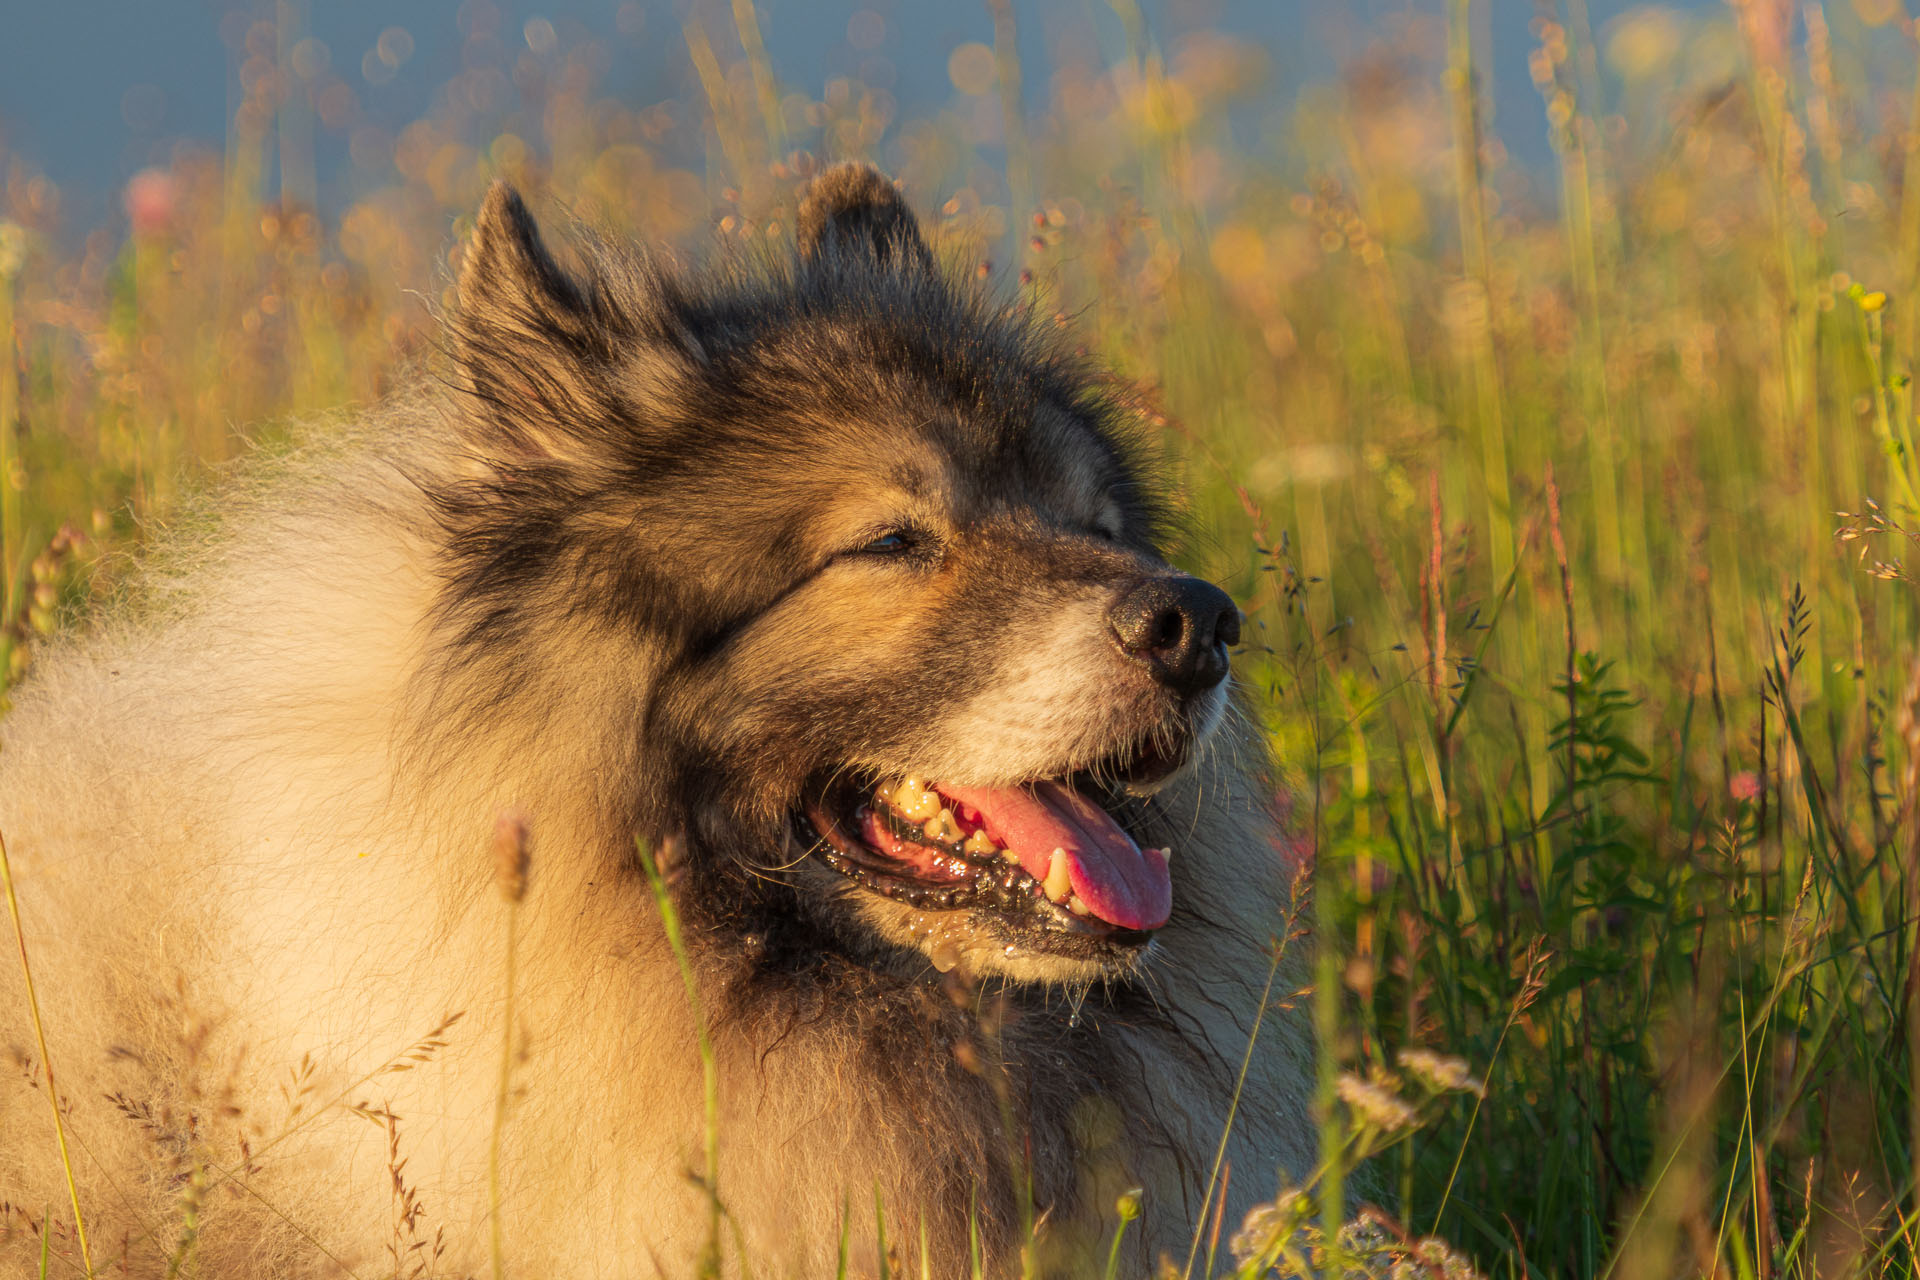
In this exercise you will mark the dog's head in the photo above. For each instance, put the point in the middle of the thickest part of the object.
(887, 558)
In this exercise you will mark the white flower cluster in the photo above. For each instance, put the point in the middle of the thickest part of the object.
(1281, 1241)
(1375, 1105)
(1440, 1073)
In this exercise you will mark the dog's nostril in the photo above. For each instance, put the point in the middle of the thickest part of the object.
(1176, 627)
(1166, 630)
(1227, 630)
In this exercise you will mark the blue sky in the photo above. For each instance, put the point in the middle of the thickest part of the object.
(93, 90)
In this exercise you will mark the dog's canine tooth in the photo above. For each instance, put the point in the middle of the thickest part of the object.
(1057, 885)
(945, 955)
(1076, 906)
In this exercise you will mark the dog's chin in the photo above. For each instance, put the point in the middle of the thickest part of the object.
(1039, 880)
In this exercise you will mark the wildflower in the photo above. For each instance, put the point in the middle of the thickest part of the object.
(1370, 1248)
(1268, 1226)
(1745, 785)
(1440, 1259)
(152, 197)
(1374, 1105)
(1440, 1073)
(1872, 301)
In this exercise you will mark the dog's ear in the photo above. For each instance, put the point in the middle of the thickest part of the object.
(531, 340)
(509, 278)
(852, 212)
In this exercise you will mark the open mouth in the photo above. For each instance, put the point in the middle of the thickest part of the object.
(1043, 853)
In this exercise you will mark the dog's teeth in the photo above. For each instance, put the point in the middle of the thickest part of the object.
(980, 844)
(943, 829)
(913, 801)
(1010, 856)
(1166, 854)
(1057, 885)
(1078, 907)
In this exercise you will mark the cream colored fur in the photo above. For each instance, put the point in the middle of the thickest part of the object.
(235, 857)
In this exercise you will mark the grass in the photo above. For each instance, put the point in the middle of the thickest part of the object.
(708, 1264)
(46, 1060)
(511, 859)
(1603, 727)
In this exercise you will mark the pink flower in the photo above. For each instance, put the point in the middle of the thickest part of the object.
(1745, 785)
(151, 196)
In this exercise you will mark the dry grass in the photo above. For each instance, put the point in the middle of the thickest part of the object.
(1604, 728)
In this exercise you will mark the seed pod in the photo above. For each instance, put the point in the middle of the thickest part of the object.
(511, 855)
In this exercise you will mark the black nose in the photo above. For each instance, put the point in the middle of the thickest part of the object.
(1180, 628)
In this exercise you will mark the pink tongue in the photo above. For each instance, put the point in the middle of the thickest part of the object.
(1119, 881)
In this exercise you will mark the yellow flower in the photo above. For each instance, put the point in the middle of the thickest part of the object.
(1872, 301)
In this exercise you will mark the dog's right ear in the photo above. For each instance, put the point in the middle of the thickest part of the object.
(853, 212)
(529, 338)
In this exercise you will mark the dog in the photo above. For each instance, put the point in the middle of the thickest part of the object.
(763, 676)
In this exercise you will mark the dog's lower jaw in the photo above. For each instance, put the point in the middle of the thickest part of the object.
(977, 945)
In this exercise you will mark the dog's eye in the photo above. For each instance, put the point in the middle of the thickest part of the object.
(890, 543)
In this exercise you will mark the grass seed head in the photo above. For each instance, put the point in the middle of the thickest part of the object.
(511, 855)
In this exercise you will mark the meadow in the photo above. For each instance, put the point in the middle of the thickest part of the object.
(1574, 510)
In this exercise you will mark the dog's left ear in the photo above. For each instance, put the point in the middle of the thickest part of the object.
(531, 339)
(852, 212)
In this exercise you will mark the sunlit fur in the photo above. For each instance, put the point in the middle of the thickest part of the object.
(595, 570)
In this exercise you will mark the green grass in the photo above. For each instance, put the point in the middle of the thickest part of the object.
(1603, 727)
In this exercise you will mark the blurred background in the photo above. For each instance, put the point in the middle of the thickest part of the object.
(1540, 379)
(92, 92)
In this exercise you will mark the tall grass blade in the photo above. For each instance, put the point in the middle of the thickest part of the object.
(1128, 1208)
(709, 1261)
(846, 1225)
(1278, 953)
(510, 875)
(976, 1259)
(46, 1057)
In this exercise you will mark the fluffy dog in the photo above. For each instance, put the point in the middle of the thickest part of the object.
(834, 583)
